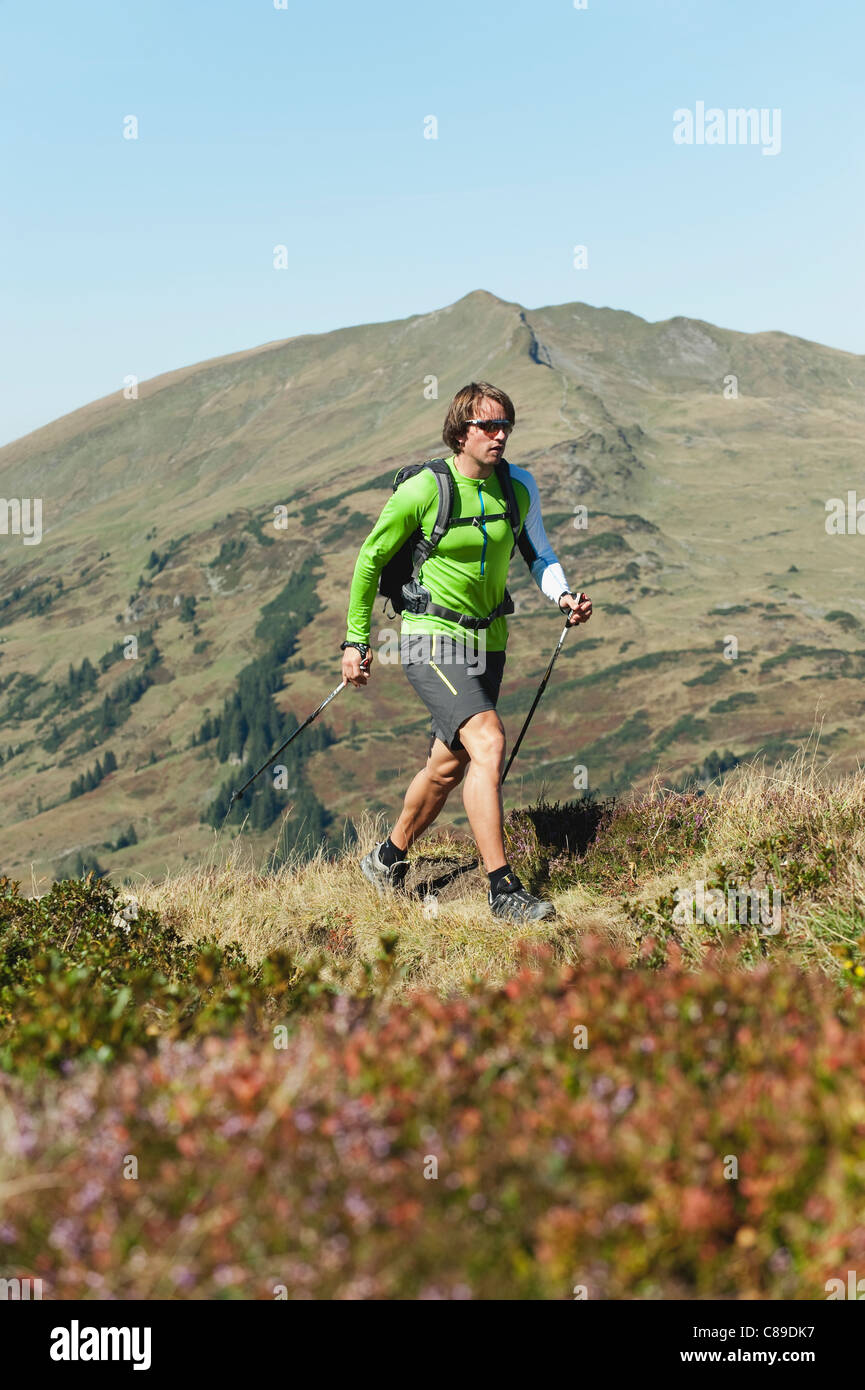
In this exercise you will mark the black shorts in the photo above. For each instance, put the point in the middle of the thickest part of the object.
(452, 683)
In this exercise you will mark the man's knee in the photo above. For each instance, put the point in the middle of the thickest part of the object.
(447, 772)
(451, 778)
(485, 742)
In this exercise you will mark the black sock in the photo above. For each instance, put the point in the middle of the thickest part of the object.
(503, 880)
(389, 854)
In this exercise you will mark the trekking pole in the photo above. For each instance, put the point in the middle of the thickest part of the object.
(298, 730)
(536, 700)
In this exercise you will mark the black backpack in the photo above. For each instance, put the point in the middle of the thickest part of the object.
(398, 579)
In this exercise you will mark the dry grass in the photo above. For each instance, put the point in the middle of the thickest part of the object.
(797, 826)
(755, 801)
(324, 907)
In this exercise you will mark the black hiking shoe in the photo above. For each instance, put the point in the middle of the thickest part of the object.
(518, 905)
(384, 876)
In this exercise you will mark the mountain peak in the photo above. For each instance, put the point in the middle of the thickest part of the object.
(486, 298)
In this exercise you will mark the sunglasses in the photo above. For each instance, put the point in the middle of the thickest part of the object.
(492, 427)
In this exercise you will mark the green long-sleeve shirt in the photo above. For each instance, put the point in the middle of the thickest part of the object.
(468, 570)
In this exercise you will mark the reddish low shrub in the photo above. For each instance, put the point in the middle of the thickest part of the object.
(461, 1148)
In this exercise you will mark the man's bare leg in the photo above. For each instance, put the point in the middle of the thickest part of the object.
(428, 793)
(483, 736)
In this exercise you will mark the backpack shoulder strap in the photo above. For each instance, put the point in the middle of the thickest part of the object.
(427, 544)
(503, 473)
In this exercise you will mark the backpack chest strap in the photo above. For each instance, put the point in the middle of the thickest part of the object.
(480, 520)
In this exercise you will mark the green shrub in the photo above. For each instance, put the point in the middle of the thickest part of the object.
(604, 541)
(845, 621)
(686, 727)
(734, 702)
(80, 981)
(711, 675)
(231, 551)
(646, 835)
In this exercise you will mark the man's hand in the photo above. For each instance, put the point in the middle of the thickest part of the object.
(581, 608)
(352, 670)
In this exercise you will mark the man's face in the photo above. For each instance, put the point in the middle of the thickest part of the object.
(485, 449)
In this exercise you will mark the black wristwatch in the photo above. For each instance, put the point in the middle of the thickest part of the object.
(363, 648)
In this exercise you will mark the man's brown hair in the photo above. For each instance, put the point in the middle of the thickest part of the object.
(464, 407)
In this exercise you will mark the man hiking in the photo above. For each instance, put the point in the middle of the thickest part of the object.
(455, 630)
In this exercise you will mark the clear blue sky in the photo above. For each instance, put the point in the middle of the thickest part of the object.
(304, 126)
